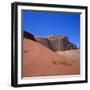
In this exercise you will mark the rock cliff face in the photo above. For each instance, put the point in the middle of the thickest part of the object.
(28, 36)
(56, 43)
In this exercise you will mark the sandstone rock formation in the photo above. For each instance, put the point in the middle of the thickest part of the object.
(56, 43)
(29, 36)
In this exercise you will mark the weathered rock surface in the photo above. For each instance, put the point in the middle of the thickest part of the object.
(29, 36)
(56, 43)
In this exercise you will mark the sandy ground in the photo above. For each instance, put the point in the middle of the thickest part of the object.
(72, 54)
(39, 60)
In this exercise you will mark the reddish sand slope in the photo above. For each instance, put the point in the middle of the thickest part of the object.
(72, 54)
(39, 60)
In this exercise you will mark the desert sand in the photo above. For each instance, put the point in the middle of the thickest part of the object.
(73, 54)
(39, 60)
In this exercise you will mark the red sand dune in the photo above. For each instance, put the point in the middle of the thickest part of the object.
(39, 60)
(73, 54)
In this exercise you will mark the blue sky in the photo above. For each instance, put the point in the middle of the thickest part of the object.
(52, 23)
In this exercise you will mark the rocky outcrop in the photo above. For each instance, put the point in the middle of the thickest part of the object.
(29, 36)
(56, 43)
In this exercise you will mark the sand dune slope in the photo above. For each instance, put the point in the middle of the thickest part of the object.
(73, 54)
(39, 60)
